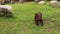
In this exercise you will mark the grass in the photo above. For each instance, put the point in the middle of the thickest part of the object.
(23, 20)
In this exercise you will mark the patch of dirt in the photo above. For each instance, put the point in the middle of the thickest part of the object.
(51, 22)
(49, 29)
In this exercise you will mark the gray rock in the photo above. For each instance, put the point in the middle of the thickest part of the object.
(5, 10)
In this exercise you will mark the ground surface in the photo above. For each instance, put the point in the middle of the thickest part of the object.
(23, 20)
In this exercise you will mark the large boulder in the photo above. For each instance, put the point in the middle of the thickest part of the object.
(55, 3)
(5, 10)
(42, 2)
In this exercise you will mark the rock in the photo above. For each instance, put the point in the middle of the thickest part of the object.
(55, 3)
(42, 2)
(5, 10)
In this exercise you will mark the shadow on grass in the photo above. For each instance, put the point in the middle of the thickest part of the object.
(8, 19)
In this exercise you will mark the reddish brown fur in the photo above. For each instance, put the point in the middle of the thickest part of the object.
(38, 19)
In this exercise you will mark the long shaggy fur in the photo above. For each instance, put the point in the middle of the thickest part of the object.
(38, 19)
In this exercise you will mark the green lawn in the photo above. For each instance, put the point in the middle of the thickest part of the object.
(23, 20)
